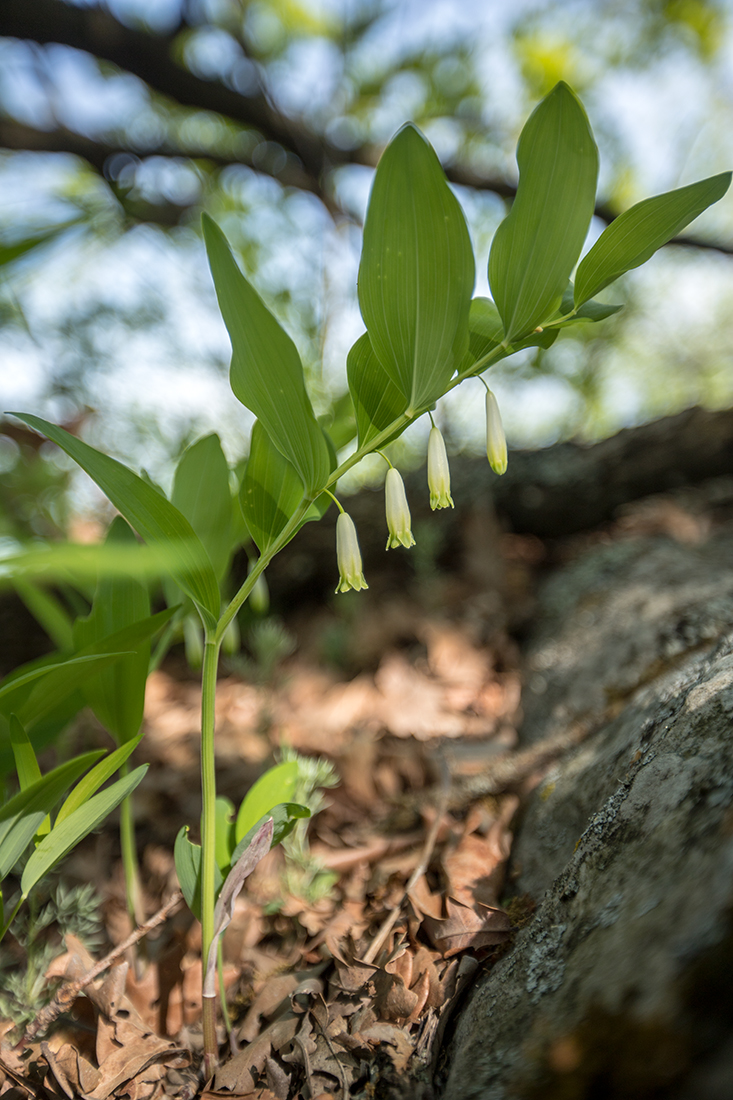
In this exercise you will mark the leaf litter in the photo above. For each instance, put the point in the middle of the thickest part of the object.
(342, 969)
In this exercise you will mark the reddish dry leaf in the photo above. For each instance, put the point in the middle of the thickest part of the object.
(424, 902)
(395, 1038)
(466, 927)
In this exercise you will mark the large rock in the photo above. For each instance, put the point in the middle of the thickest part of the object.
(620, 983)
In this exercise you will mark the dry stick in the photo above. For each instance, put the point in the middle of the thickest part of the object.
(68, 992)
(425, 857)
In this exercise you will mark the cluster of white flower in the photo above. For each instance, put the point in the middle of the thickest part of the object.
(399, 521)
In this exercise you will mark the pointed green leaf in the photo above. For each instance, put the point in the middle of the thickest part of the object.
(202, 494)
(587, 313)
(417, 270)
(38, 691)
(266, 373)
(637, 233)
(187, 858)
(377, 401)
(117, 695)
(536, 246)
(21, 817)
(99, 774)
(26, 765)
(150, 514)
(285, 816)
(75, 827)
(46, 610)
(275, 786)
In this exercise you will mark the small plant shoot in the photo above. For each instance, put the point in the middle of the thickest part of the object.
(424, 335)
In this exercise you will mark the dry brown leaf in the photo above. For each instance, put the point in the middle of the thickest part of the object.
(236, 1075)
(467, 927)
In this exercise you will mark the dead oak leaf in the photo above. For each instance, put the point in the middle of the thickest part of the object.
(467, 927)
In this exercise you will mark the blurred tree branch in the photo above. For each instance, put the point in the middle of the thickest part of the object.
(309, 157)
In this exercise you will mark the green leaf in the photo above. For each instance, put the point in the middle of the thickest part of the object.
(75, 827)
(151, 515)
(46, 610)
(26, 764)
(377, 401)
(99, 774)
(21, 817)
(271, 489)
(637, 233)
(38, 691)
(417, 270)
(536, 246)
(187, 858)
(276, 786)
(202, 494)
(486, 333)
(588, 313)
(285, 817)
(266, 373)
(34, 692)
(117, 695)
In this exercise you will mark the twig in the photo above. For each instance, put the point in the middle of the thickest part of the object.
(68, 992)
(425, 857)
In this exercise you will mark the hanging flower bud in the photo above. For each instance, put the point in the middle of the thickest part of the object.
(349, 555)
(398, 512)
(438, 471)
(495, 438)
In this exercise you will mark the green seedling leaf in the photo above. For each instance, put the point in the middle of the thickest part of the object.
(636, 234)
(187, 858)
(21, 817)
(117, 695)
(256, 850)
(150, 514)
(46, 610)
(417, 270)
(537, 245)
(26, 764)
(266, 373)
(377, 400)
(99, 774)
(276, 786)
(284, 816)
(75, 827)
(201, 493)
(486, 334)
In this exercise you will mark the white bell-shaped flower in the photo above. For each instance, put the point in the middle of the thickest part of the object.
(438, 471)
(349, 555)
(495, 438)
(398, 511)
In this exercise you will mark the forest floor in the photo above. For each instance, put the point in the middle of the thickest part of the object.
(348, 953)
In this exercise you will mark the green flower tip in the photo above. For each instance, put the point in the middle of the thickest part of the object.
(349, 555)
(495, 438)
(398, 512)
(438, 471)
